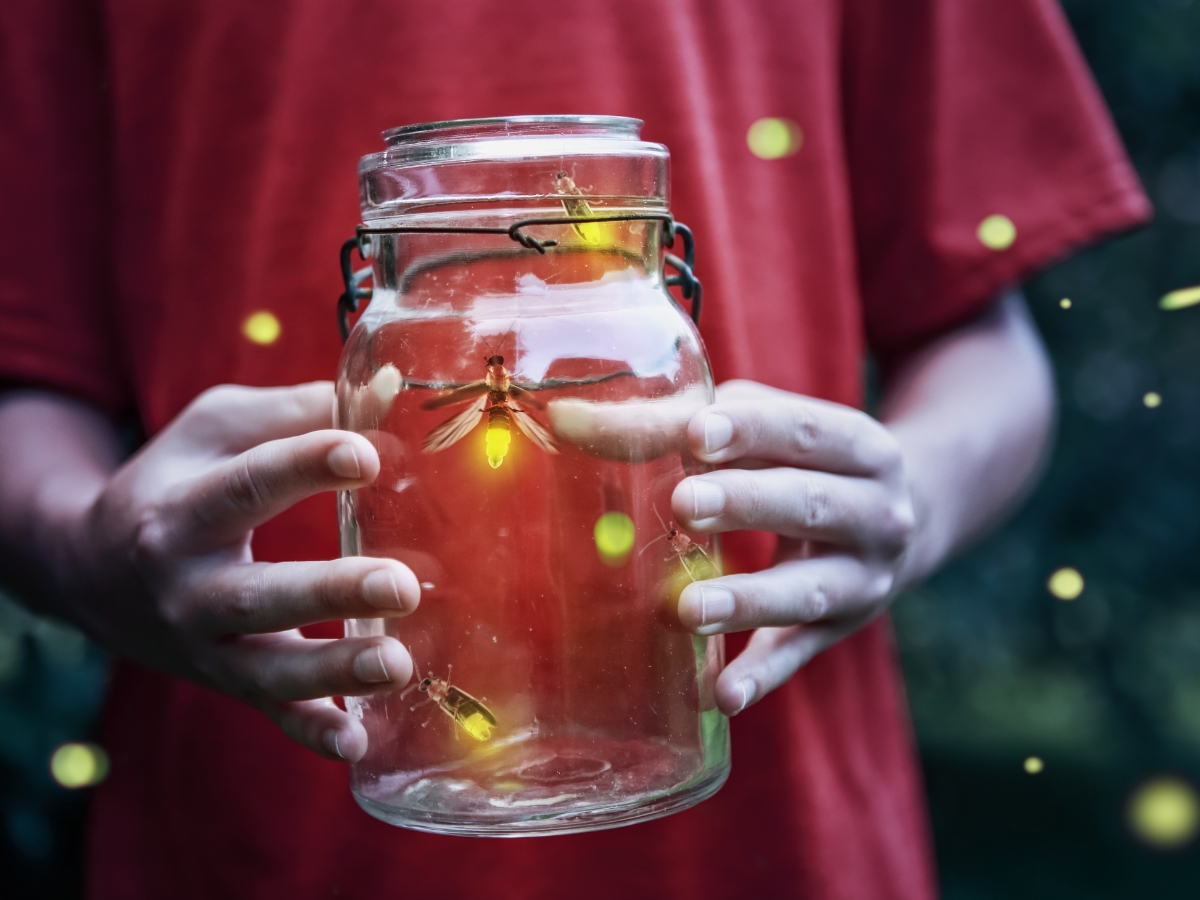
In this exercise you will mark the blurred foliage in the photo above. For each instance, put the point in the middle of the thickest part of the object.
(1105, 688)
(51, 685)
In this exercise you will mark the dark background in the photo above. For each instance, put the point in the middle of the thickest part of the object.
(1105, 689)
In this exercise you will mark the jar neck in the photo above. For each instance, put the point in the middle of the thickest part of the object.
(474, 168)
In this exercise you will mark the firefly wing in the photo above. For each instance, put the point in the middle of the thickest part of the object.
(526, 395)
(459, 394)
(464, 705)
(455, 429)
(533, 429)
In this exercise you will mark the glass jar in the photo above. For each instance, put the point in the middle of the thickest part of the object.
(527, 378)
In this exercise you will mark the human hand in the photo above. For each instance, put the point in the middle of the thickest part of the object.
(830, 481)
(162, 570)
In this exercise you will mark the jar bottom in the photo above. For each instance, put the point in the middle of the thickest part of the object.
(546, 786)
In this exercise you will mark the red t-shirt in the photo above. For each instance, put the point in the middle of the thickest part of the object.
(169, 169)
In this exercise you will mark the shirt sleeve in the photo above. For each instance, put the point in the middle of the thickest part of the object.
(57, 328)
(979, 151)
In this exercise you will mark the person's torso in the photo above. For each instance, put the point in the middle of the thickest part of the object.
(236, 131)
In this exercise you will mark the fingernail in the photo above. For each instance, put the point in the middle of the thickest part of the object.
(716, 605)
(330, 740)
(369, 667)
(379, 589)
(746, 686)
(718, 432)
(344, 462)
(707, 499)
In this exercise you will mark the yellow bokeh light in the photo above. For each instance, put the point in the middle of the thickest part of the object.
(1065, 583)
(262, 328)
(1164, 812)
(997, 232)
(773, 138)
(79, 765)
(1152, 399)
(1180, 299)
(1034, 765)
(1065, 302)
(614, 534)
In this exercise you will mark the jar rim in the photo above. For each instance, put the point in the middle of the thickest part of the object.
(613, 127)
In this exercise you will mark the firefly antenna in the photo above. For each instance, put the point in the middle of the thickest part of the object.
(500, 342)
(665, 536)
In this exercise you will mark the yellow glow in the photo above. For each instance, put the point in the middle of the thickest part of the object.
(1181, 298)
(1164, 812)
(1034, 765)
(79, 765)
(1065, 583)
(477, 726)
(997, 232)
(774, 138)
(593, 234)
(1152, 399)
(496, 445)
(262, 328)
(1065, 303)
(691, 567)
(614, 533)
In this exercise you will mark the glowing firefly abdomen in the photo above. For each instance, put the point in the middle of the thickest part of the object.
(499, 433)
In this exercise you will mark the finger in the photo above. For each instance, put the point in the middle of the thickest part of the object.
(794, 592)
(796, 503)
(793, 430)
(231, 418)
(283, 667)
(632, 429)
(269, 597)
(243, 492)
(772, 656)
(322, 727)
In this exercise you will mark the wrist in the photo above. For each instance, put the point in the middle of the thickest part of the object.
(56, 544)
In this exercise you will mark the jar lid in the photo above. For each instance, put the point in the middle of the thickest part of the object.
(440, 163)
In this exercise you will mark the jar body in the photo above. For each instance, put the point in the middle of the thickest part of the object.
(528, 410)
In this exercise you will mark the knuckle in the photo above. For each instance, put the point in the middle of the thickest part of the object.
(245, 489)
(804, 430)
(327, 591)
(215, 398)
(178, 610)
(816, 506)
(898, 524)
(817, 603)
(210, 411)
(750, 498)
(879, 587)
(153, 541)
(883, 454)
(262, 682)
(240, 608)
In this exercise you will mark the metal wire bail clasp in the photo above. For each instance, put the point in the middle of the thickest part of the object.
(684, 278)
(354, 292)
